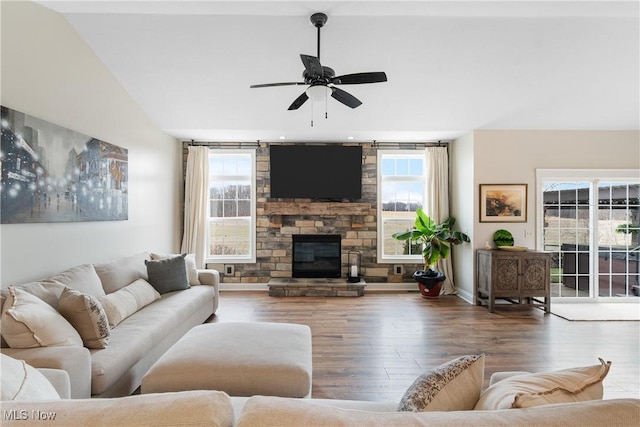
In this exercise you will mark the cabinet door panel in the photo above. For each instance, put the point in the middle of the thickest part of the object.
(506, 274)
(534, 273)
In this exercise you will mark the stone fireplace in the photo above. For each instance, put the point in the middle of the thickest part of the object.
(278, 220)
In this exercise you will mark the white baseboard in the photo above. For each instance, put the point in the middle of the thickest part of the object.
(468, 297)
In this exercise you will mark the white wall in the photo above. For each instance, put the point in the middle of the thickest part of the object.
(512, 156)
(462, 208)
(50, 73)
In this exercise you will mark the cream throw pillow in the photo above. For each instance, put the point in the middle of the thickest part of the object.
(564, 386)
(117, 273)
(28, 322)
(452, 386)
(21, 381)
(85, 313)
(82, 278)
(47, 292)
(189, 263)
(124, 302)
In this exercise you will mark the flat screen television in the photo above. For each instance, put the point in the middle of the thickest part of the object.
(325, 172)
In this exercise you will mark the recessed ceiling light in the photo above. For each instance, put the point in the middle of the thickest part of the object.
(283, 137)
(349, 137)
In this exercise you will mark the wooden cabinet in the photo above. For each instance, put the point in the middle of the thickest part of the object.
(518, 277)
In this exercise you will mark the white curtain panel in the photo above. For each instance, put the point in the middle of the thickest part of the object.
(437, 203)
(196, 204)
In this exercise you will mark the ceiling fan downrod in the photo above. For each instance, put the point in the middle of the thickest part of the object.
(318, 20)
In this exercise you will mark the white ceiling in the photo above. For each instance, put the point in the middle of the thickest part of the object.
(452, 66)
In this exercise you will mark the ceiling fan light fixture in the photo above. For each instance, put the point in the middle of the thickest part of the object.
(317, 93)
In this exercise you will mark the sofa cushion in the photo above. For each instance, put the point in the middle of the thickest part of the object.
(567, 385)
(28, 322)
(21, 381)
(168, 275)
(287, 412)
(47, 292)
(118, 273)
(452, 386)
(190, 265)
(82, 278)
(192, 408)
(124, 302)
(86, 315)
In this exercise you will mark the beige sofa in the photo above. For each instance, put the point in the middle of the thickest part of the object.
(29, 398)
(136, 342)
(214, 408)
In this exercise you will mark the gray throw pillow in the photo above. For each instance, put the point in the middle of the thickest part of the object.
(168, 275)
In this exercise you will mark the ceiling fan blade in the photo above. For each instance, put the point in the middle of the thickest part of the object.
(277, 84)
(312, 65)
(345, 97)
(359, 78)
(299, 101)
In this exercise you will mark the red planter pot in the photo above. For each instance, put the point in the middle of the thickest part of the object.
(429, 282)
(434, 292)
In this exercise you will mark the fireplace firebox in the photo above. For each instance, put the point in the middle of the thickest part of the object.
(316, 255)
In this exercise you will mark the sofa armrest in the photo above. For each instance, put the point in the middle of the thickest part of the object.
(59, 379)
(211, 277)
(75, 360)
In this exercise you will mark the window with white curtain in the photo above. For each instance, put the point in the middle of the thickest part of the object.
(232, 198)
(401, 190)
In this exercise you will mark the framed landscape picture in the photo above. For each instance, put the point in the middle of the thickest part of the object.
(503, 202)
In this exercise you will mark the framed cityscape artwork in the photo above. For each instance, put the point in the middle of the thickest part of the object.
(54, 174)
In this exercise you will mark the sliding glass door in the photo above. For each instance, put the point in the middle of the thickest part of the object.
(590, 224)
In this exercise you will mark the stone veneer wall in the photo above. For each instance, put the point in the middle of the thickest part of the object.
(277, 220)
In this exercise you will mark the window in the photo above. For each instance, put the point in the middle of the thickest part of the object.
(401, 190)
(232, 196)
(591, 227)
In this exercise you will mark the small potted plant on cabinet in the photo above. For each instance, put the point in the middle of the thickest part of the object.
(436, 241)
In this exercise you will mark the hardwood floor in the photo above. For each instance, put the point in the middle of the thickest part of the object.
(373, 347)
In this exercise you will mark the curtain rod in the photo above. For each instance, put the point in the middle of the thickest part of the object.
(222, 144)
(414, 144)
(374, 143)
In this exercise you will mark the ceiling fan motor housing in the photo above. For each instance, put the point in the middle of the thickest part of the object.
(327, 75)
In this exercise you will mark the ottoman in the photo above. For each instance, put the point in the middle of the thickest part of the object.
(239, 358)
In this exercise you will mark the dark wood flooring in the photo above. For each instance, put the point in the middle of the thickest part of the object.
(373, 347)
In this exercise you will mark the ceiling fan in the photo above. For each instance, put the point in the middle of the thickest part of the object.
(324, 78)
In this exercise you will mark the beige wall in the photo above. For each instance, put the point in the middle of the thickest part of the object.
(512, 156)
(50, 73)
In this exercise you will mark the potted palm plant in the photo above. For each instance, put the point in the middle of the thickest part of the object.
(436, 240)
